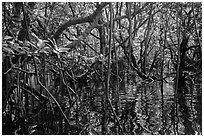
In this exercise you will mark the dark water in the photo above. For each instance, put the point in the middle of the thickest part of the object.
(154, 116)
(142, 111)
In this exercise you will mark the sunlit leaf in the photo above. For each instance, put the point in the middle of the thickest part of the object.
(62, 49)
(8, 50)
(8, 38)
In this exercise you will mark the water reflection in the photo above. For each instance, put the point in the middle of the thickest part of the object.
(151, 119)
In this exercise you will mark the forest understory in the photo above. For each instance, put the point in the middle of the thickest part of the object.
(99, 68)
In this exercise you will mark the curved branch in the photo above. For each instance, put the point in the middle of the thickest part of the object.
(80, 20)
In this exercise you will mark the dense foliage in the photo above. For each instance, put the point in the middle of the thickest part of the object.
(101, 68)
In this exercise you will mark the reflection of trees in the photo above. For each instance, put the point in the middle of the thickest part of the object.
(78, 68)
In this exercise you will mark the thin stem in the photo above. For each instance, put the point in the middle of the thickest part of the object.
(53, 98)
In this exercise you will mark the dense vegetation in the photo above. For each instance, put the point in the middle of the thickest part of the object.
(101, 68)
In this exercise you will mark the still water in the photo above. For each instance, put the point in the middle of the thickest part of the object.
(152, 115)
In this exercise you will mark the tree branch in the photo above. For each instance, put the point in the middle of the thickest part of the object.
(80, 20)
